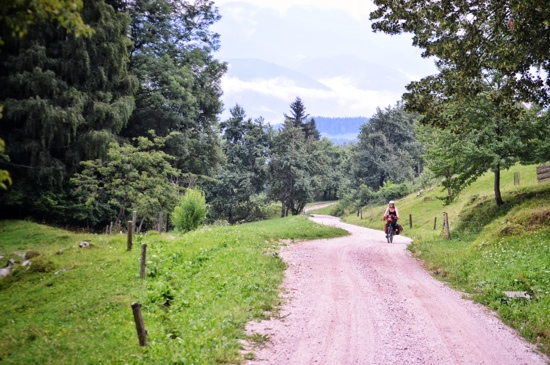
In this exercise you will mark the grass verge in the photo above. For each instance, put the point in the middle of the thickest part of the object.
(73, 304)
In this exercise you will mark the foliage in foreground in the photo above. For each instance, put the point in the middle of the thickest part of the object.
(201, 289)
(492, 249)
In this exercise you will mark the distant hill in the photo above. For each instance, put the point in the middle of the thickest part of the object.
(339, 130)
(340, 125)
(252, 69)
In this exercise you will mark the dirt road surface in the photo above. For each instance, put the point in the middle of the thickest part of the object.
(361, 300)
(318, 206)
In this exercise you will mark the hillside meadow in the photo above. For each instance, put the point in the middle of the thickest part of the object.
(72, 305)
(498, 256)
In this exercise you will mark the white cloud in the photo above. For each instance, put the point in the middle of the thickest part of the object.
(343, 98)
(359, 101)
(246, 17)
(280, 88)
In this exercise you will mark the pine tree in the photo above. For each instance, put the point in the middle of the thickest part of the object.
(299, 119)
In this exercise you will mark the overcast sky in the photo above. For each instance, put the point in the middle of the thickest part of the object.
(329, 41)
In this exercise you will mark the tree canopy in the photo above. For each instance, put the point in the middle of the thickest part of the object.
(129, 178)
(235, 193)
(18, 17)
(179, 89)
(387, 149)
(479, 137)
(473, 36)
(65, 99)
(492, 57)
(143, 65)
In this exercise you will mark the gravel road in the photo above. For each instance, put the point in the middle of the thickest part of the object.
(360, 300)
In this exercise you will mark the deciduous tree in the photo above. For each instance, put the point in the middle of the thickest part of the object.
(480, 135)
(475, 36)
(179, 78)
(387, 149)
(130, 178)
(18, 17)
(236, 191)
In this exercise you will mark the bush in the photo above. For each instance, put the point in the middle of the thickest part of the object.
(190, 211)
(338, 210)
(391, 191)
(427, 179)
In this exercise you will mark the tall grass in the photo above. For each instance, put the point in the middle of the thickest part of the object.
(492, 250)
(200, 290)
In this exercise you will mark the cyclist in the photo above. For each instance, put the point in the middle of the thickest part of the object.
(391, 210)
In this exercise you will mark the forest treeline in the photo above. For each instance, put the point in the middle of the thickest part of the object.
(113, 106)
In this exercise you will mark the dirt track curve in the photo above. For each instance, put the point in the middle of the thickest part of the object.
(360, 300)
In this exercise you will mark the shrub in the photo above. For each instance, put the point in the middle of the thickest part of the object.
(391, 191)
(190, 211)
(338, 210)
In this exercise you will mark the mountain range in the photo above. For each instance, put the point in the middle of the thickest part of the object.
(339, 130)
(328, 57)
(337, 86)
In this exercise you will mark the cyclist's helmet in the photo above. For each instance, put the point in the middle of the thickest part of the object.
(392, 202)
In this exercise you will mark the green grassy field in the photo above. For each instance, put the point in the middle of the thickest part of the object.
(492, 249)
(73, 305)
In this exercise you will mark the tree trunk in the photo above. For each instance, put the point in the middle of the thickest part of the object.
(498, 196)
(282, 208)
(141, 224)
(121, 212)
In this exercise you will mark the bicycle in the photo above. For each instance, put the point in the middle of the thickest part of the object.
(391, 227)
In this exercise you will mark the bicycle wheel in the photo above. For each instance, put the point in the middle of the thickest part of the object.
(389, 233)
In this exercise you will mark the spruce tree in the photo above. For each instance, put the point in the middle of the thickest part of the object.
(65, 99)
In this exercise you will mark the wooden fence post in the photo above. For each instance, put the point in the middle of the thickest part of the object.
(129, 240)
(140, 327)
(516, 178)
(143, 260)
(111, 228)
(361, 212)
(543, 173)
(160, 223)
(435, 223)
(410, 220)
(446, 225)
